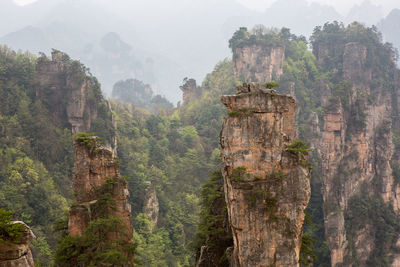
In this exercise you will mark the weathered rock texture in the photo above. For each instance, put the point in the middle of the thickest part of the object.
(190, 91)
(92, 166)
(73, 96)
(18, 254)
(266, 187)
(357, 154)
(257, 63)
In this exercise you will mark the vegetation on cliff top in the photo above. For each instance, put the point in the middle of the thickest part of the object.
(260, 35)
(9, 232)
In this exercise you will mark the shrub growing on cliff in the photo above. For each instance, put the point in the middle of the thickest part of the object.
(88, 139)
(240, 112)
(298, 147)
(271, 85)
(238, 174)
(9, 232)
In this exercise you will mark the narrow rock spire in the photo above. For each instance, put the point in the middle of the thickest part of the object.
(266, 177)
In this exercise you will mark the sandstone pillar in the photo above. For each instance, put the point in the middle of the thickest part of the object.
(266, 184)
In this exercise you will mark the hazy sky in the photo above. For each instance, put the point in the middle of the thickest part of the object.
(341, 6)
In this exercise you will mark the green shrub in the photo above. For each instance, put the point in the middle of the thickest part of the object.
(238, 174)
(240, 112)
(85, 139)
(298, 147)
(9, 232)
(88, 139)
(271, 85)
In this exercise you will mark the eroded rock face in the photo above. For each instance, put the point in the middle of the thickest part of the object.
(69, 90)
(92, 167)
(258, 64)
(266, 187)
(356, 151)
(18, 254)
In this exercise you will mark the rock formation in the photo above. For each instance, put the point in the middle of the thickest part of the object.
(18, 254)
(190, 91)
(266, 183)
(151, 205)
(357, 156)
(74, 95)
(93, 166)
(257, 63)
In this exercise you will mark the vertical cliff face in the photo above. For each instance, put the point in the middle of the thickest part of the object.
(94, 166)
(357, 155)
(256, 63)
(18, 253)
(72, 95)
(266, 186)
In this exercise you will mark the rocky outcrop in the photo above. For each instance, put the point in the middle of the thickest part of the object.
(151, 205)
(257, 63)
(72, 95)
(94, 165)
(356, 151)
(266, 184)
(18, 254)
(190, 91)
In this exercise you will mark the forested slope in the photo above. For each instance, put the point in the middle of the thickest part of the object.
(346, 88)
(36, 153)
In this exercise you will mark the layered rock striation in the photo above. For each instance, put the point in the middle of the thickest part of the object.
(266, 183)
(18, 253)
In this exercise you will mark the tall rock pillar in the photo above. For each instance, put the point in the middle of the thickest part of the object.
(94, 166)
(266, 179)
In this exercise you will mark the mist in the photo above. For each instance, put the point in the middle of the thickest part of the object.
(162, 42)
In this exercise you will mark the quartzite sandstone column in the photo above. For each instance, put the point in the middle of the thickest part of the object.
(93, 165)
(266, 187)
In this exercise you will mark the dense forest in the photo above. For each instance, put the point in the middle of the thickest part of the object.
(172, 154)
